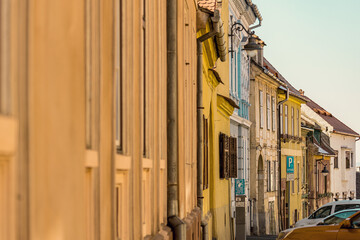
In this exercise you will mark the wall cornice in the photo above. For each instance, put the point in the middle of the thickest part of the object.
(224, 105)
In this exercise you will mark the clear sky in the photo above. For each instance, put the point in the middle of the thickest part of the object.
(315, 45)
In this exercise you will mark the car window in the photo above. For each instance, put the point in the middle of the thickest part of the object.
(321, 213)
(337, 218)
(346, 206)
(356, 222)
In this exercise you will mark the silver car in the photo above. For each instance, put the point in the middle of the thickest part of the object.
(326, 210)
(338, 217)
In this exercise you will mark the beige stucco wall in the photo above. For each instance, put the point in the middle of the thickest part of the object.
(263, 148)
(61, 174)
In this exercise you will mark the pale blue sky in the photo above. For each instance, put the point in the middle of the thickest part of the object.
(315, 45)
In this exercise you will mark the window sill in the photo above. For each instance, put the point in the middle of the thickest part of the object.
(8, 137)
(91, 159)
(122, 162)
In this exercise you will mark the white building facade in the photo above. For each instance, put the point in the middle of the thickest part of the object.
(244, 12)
(343, 141)
(343, 167)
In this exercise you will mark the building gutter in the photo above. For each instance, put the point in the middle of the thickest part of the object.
(281, 225)
(256, 12)
(174, 221)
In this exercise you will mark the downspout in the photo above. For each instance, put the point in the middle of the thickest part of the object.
(199, 142)
(175, 223)
(216, 20)
(258, 15)
(281, 225)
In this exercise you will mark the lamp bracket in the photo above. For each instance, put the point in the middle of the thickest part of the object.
(238, 27)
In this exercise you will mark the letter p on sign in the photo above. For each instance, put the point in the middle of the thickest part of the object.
(289, 164)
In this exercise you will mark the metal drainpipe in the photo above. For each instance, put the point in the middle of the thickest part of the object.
(177, 225)
(281, 225)
(199, 143)
(200, 107)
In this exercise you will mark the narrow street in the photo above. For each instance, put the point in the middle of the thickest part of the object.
(266, 237)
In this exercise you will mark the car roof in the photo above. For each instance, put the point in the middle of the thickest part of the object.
(343, 202)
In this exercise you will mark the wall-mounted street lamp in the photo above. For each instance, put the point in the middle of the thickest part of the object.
(325, 171)
(252, 45)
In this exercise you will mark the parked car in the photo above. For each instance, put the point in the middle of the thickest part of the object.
(347, 229)
(338, 217)
(327, 210)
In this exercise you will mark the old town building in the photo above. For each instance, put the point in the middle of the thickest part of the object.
(245, 13)
(263, 147)
(343, 165)
(97, 122)
(316, 134)
(291, 167)
(219, 148)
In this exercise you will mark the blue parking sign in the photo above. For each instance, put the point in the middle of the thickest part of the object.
(289, 164)
(239, 187)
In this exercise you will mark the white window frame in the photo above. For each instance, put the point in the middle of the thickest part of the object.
(292, 121)
(273, 113)
(298, 123)
(268, 119)
(261, 108)
(281, 119)
(286, 119)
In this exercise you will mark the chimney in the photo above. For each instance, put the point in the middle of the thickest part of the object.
(301, 92)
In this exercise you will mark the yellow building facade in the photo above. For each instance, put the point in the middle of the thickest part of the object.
(292, 158)
(217, 109)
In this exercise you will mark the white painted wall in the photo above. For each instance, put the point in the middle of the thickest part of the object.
(343, 179)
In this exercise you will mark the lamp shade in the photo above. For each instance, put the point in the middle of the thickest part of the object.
(325, 172)
(252, 47)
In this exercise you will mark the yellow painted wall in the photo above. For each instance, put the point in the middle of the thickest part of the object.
(218, 111)
(293, 148)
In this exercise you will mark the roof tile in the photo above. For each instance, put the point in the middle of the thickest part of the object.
(209, 5)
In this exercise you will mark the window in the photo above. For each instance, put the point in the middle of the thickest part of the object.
(298, 123)
(261, 109)
(5, 83)
(144, 80)
(274, 177)
(337, 218)
(233, 157)
(336, 160)
(292, 121)
(246, 158)
(298, 177)
(273, 113)
(268, 118)
(281, 119)
(321, 212)
(304, 170)
(325, 184)
(352, 159)
(205, 154)
(346, 206)
(347, 159)
(118, 78)
(268, 163)
(355, 222)
(241, 142)
(286, 119)
(292, 186)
